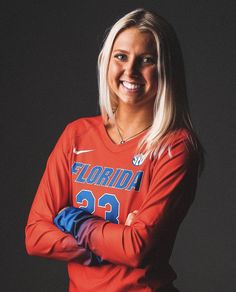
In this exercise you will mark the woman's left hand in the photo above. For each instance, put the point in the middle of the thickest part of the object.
(130, 217)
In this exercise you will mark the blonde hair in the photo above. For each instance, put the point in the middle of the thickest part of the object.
(171, 110)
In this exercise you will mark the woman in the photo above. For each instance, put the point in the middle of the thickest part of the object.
(128, 176)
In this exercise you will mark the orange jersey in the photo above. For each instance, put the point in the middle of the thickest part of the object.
(87, 170)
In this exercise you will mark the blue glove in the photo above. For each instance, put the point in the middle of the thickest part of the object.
(69, 219)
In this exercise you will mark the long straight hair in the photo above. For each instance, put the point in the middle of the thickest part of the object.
(171, 109)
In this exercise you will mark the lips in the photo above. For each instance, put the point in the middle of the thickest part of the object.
(131, 85)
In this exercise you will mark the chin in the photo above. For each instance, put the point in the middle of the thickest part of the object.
(130, 100)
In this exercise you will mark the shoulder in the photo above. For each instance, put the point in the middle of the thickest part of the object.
(77, 128)
(177, 154)
(84, 124)
(182, 137)
(179, 143)
(177, 136)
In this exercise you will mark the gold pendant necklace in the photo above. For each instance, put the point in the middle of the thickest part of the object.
(128, 138)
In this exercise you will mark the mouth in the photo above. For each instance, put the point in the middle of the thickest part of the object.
(132, 86)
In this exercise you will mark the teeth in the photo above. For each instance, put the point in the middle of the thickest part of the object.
(131, 86)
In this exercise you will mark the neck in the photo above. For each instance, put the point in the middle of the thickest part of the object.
(131, 120)
(131, 123)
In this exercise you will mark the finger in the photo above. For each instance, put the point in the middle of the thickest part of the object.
(130, 219)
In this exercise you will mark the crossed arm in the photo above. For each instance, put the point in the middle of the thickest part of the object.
(170, 195)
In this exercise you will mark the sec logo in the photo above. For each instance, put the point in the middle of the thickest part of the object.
(138, 159)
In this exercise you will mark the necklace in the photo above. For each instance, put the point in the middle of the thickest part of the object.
(128, 138)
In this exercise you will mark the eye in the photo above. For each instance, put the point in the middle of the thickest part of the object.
(148, 60)
(121, 57)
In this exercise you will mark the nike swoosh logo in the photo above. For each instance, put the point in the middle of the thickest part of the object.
(77, 152)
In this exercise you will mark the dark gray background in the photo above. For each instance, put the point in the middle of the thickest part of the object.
(48, 79)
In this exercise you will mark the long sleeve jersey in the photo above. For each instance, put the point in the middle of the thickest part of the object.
(87, 170)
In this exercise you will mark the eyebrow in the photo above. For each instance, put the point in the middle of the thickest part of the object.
(120, 50)
(124, 51)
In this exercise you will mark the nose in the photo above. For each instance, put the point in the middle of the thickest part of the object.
(132, 68)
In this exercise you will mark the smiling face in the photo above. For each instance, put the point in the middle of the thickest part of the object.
(132, 70)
